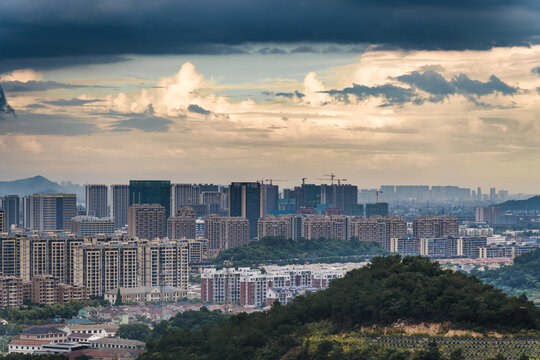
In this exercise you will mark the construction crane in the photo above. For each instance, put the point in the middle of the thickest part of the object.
(304, 181)
(332, 178)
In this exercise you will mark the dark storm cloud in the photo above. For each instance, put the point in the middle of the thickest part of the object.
(197, 109)
(19, 86)
(436, 85)
(290, 95)
(430, 82)
(47, 63)
(393, 94)
(143, 123)
(475, 87)
(79, 28)
(70, 102)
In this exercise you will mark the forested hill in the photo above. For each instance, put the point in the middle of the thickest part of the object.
(388, 290)
(278, 248)
(521, 277)
(529, 204)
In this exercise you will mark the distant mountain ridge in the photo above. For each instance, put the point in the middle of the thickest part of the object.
(36, 185)
(529, 204)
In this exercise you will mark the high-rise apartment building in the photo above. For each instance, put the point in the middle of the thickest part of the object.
(119, 205)
(9, 255)
(281, 225)
(212, 201)
(379, 229)
(2, 220)
(343, 197)
(377, 209)
(91, 225)
(330, 227)
(11, 206)
(49, 212)
(105, 266)
(96, 200)
(435, 227)
(184, 195)
(11, 291)
(488, 214)
(151, 192)
(183, 225)
(245, 200)
(270, 198)
(147, 221)
(225, 232)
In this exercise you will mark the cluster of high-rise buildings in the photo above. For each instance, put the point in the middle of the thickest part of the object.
(91, 266)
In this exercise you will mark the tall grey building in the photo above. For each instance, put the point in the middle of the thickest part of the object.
(189, 194)
(11, 206)
(96, 200)
(270, 198)
(2, 218)
(119, 205)
(49, 212)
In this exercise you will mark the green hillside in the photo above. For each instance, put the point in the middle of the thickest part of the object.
(389, 290)
(275, 248)
(523, 277)
(528, 204)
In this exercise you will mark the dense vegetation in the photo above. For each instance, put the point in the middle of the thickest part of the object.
(528, 204)
(135, 331)
(411, 289)
(332, 349)
(276, 248)
(186, 322)
(523, 277)
(38, 313)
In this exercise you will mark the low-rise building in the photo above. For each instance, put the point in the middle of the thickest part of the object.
(26, 346)
(286, 294)
(146, 294)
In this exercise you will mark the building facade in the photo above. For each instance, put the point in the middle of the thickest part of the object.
(11, 207)
(225, 232)
(91, 225)
(96, 200)
(147, 221)
(49, 212)
(151, 192)
(119, 205)
(435, 227)
(246, 200)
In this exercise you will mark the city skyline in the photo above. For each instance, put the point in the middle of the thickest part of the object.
(415, 99)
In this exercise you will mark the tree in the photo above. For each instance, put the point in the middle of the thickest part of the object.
(134, 331)
(118, 301)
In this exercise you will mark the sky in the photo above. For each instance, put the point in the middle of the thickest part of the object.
(396, 92)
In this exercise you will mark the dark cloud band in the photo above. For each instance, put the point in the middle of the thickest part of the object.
(77, 28)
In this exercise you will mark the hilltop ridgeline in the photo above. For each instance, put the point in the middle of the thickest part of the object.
(390, 289)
